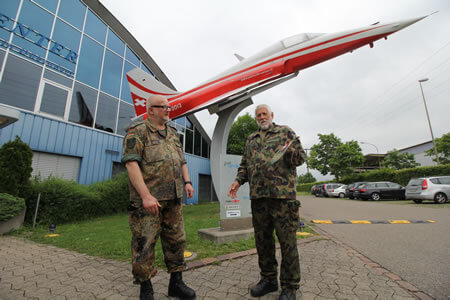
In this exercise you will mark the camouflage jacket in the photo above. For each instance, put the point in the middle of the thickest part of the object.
(269, 178)
(160, 160)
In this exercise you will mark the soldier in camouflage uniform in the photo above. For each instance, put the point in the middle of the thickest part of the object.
(269, 164)
(153, 156)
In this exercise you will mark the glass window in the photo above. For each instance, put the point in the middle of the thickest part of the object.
(181, 137)
(444, 180)
(126, 93)
(180, 121)
(197, 142)
(204, 148)
(73, 12)
(144, 67)
(95, 27)
(382, 185)
(132, 57)
(106, 113)
(189, 140)
(54, 100)
(2, 56)
(90, 62)
(37, 19)
(58, 78)
(189, 124)
(126, 113)
(69, 38)
(112, 72)
(48, 4)
(20, 83)
(114, 43)
(82, 109)
(8, 12)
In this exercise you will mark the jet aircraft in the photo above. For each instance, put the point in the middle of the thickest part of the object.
(265, 69)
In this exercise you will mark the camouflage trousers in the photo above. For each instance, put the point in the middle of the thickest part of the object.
(145, 230)
(283, 216)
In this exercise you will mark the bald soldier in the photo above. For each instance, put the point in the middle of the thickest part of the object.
(269, 164)
(158, 176)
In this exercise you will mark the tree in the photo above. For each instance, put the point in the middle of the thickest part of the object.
(15, 168)
(306, 178)
(330, 155)
(443, 149)
(240, 130)
(396, 160)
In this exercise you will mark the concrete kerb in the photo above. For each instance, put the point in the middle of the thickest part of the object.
(212, 260)
(409, 288)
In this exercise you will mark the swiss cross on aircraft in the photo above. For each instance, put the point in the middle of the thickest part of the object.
(267, 68)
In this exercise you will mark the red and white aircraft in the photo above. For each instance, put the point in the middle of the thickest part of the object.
(265, 69)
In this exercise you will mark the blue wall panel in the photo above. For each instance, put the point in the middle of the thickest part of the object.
(196, 165)
(97, 150)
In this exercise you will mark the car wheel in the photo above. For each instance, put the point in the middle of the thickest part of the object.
(375, 196)
(440, 198)
(417, 201)
(341, 195)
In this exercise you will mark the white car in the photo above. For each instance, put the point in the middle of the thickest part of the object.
(436, 188)
(338, 192)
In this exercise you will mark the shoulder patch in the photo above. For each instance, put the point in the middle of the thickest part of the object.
(131, 142)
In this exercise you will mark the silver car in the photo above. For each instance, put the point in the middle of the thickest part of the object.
(435, 188)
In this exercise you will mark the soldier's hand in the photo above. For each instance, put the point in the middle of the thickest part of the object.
(233, 189)
(151, 205)
(189, 190)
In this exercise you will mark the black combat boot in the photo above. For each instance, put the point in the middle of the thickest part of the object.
(264, 286)
(287, 295)
(177, 287)
(146, 291)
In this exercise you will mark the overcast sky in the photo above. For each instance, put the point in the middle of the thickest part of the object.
(370, 95)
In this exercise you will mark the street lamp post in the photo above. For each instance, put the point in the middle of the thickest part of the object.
(428, 118)
(379, 163)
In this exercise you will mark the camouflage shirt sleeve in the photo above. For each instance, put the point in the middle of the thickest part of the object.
(242, 174)
(133, 147)
(295, 155)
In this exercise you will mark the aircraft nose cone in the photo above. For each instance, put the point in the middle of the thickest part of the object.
(405, 23)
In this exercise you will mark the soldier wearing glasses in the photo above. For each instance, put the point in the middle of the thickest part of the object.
(158, 176)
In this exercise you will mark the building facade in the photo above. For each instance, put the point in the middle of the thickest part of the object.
(419, 153)
(63, 66)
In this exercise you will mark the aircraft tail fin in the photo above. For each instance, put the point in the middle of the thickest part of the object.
(142, 86)
(239, 57)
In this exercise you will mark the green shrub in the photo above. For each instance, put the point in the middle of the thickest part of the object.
(10, 206)
(15, 168)
(64, 201)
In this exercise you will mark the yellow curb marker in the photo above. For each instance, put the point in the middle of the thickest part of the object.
(303, 233)
(360, 222)
(400, 222)
(322, 221)
(187, 254)
(51, 235)
(431, 221)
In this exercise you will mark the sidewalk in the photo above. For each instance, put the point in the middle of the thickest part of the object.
(330, 270)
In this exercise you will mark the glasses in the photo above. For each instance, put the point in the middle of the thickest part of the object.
(168, 107)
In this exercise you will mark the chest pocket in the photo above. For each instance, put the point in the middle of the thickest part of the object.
(154, 151)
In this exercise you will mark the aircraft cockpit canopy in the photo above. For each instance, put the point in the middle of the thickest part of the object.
(299, 38)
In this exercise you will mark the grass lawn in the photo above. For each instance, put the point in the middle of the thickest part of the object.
(109, 237)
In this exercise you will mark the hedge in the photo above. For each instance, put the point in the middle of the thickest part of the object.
(398, 176)
(64, 201)
(10, 206)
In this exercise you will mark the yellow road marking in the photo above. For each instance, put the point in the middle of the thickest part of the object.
(303, 233)
(322, 221)
(431, 221)
(400, 222)
(360, 222)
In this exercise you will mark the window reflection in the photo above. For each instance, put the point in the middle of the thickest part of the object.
(189, 140)
(197, 142)
(95, 27)
(126, 93)
(132, 57)
(112, 72)
(204, 148)
(72, 11)
(54, 100)
(114, 43)
(48, 4)
(82, 109)
(89, 62)
(126, 113)
(106, 113)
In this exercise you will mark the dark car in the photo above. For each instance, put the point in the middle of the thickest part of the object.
(380, 190)
(317, 190)
(349, 191)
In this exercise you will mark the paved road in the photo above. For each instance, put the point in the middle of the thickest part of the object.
(419, 253)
